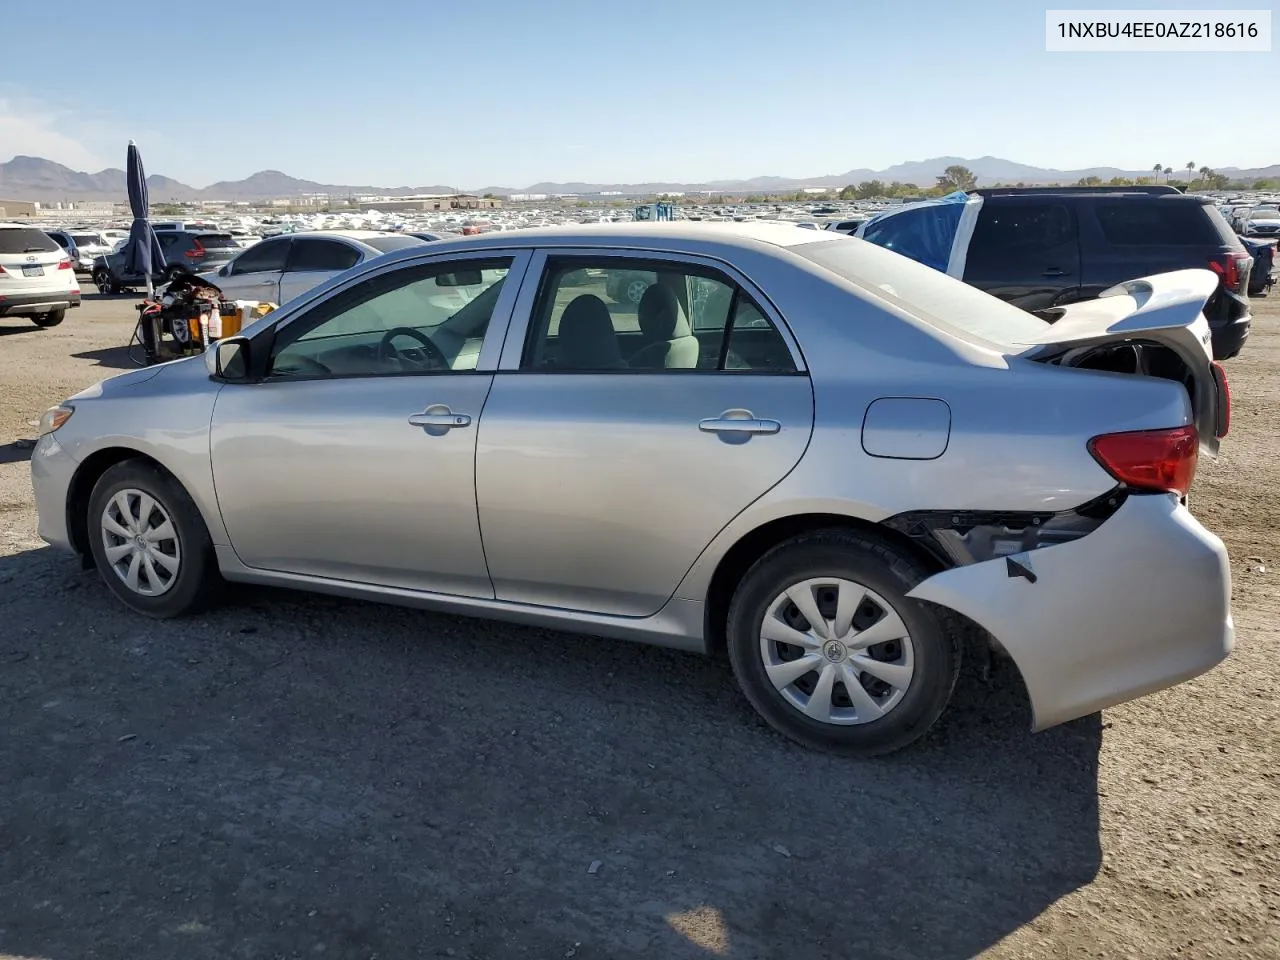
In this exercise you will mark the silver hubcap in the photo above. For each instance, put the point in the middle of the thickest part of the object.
(836, 651)
(141, 543)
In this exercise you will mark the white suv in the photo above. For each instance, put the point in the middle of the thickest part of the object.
(37, 278)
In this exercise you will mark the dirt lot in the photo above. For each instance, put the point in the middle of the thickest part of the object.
(306, 777)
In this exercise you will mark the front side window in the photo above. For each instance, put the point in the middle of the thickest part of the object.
(1022, 227)
(623, 314)
(262, 257)
(428, 318)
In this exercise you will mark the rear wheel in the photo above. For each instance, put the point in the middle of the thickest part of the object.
(149, 541)
(50, 319)
(103, 281)
(829, 649)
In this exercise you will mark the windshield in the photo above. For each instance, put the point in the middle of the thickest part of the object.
(1265, 212)
(932, 296)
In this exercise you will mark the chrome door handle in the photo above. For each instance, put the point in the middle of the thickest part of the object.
(738, 421)
(439, 415)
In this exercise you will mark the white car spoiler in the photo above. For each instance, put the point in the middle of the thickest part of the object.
(1165, 308)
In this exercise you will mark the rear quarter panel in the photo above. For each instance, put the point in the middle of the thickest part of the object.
(1018, 437)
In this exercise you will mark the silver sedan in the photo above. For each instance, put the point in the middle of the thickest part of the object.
(839, 466)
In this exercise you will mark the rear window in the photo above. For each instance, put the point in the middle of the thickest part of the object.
(25, 240)
(1157, 222)
(387, 244)
(85, 239)
(941, 300)
(217, 241)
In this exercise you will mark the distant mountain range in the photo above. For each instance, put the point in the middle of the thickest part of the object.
(34, 178)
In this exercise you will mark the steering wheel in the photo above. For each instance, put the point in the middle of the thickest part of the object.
(387, 351)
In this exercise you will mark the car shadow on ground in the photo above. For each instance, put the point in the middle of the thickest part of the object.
(293, 774)
(115, 358)
(17, 452)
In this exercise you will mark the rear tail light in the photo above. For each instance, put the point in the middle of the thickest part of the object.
(1224, 400)
(64, 264)
(1231, 267)
(1152, 460)
(196, 252)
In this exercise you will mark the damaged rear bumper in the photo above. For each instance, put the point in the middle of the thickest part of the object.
(1138, 605)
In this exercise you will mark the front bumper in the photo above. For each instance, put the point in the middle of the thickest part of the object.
(24, 303)
(52, 469)
(1138, 605)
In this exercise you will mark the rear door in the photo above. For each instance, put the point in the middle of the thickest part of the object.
(313, 260)
(599, 482)
(256, 273)
(1026, 251)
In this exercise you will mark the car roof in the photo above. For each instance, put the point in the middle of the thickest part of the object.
(714, 239)
(348, 234)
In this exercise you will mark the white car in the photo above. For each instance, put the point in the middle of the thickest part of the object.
(37, 279)
(1261, 222)
(280, 268)
(91, 244)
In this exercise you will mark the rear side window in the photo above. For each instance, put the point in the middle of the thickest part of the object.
(24, 240)
(321, 255)
(1019, 227)
(1155, 222)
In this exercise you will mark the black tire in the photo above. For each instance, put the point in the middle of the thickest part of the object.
(936, 639)
(102, 279)
(197, 582)
(50, 319)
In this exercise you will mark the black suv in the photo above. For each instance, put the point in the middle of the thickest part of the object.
(1039, 248)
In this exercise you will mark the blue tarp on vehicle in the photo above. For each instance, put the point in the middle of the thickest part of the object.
(925, 231)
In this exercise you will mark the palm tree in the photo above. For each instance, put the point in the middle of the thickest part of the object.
(1206, 173)
(1191, 168)
(1168, 172)
(1157, 170)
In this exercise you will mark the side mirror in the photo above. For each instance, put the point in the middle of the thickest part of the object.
(229, 359)
(225, 271)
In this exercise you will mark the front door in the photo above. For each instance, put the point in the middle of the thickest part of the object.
(255, 274)
(619, 438)
(1026, 251)
(354, 457)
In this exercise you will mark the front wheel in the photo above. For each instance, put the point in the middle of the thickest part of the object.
(50, 319)
(149, 541)
(828, 648)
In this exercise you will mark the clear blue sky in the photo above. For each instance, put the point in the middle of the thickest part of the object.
(511, 92)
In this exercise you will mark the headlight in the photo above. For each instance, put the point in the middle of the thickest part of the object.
(55, 417)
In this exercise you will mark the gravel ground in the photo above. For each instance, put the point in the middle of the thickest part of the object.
(294, 776)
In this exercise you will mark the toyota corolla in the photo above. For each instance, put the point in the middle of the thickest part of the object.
(838, 466)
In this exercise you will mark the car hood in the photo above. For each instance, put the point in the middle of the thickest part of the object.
(122, 382)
